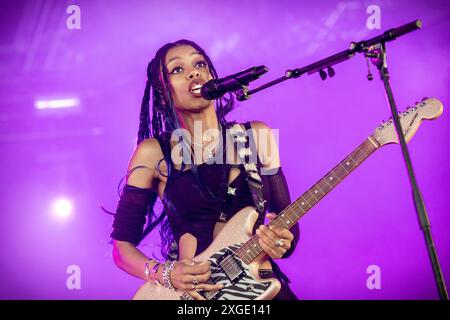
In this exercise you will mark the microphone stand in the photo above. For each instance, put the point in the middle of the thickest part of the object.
(375, 48)
(378, 53)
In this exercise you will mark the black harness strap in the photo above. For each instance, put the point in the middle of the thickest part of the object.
(245, 143)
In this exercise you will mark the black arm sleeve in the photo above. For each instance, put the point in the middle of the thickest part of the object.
(131, 212)
(279, 200)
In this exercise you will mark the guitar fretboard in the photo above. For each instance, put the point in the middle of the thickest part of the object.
(291, 214)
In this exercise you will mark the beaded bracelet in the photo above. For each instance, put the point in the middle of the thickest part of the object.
(168, 267)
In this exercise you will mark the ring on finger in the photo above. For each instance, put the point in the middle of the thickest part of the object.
(195, 281)
(279, 242)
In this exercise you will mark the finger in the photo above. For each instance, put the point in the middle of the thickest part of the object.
(210, 286)
(268, 233)
(274, 251)
(196, 295)
(269, 250)
(204, 277)
(282, 232)
(181, 285)
(270, 239)
(271, 216)
(198, 267)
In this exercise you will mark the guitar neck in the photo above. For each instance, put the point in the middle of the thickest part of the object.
(291, 214)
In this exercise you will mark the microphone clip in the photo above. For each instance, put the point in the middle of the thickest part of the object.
(242, 94)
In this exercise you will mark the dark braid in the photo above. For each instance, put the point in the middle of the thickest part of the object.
(144, 131)
(144, 118)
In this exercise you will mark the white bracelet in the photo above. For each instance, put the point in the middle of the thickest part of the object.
(153, 271)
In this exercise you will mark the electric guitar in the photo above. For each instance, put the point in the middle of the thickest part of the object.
(235, 254)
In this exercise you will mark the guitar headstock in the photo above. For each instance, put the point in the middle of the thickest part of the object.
(410, 120)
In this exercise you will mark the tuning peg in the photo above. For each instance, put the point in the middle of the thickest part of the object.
(423, 101)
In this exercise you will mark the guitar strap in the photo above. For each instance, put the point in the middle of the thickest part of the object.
(244, 145)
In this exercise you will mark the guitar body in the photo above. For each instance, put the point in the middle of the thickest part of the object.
(240, 281)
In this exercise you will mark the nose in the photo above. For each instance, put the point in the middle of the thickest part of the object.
(194, 74)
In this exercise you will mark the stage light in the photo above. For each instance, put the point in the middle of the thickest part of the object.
(57, 103)
(62, 208)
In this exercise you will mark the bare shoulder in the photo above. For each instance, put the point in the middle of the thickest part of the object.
(259, 125)
(145, 156)
(148, 149)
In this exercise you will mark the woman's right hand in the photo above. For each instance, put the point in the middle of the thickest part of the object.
(188, 275)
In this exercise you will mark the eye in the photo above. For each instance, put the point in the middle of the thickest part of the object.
(201, 63)
(176, 70)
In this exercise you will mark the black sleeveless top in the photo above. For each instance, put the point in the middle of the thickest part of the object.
(191, 209)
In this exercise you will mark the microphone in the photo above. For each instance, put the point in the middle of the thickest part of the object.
(216, 88)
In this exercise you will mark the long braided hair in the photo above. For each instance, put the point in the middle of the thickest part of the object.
(165, 120)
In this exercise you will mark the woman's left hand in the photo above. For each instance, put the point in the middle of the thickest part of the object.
(275, 241)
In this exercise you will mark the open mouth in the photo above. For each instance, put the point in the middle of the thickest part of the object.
(196, 88)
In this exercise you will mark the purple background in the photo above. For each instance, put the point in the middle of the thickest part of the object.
(82, 153)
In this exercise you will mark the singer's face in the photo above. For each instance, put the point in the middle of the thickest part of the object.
(186, 68)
